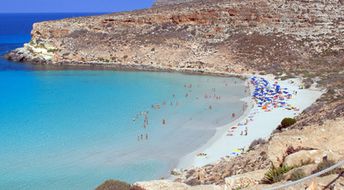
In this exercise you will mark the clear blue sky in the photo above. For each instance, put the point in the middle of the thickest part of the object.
(25, 6)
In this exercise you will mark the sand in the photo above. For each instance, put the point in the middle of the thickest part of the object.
(262, 125)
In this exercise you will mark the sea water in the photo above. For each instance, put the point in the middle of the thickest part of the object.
(73, 129)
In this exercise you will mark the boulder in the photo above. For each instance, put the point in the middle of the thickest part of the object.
(176, 172)
(307, 169)
(169, 185)
(244, 180)
(308, 156)
(162, 185)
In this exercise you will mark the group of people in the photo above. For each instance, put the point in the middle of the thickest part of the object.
(269, 96)
(210, 95)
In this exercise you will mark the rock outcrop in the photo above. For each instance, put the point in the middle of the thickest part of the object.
(169, 185)
(159, 3)
(320, 138)
(201, 36)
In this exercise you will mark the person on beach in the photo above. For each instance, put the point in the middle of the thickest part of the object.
(210, 107)
(146, 120)
(233, 115)
(245, 131)
(146, 136)
(141, 136)
(163, 121)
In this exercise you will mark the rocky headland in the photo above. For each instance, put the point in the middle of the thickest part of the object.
(286, 38)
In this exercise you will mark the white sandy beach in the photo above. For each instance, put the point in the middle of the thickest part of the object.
(261, 125)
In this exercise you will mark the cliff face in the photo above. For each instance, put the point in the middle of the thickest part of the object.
(212, 35)
(159, 3)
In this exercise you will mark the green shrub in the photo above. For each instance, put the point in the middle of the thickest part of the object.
(114, 185)
(286, 122)
(297, 174)
(275, 174)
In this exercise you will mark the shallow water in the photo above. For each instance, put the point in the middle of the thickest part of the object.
(73, 129)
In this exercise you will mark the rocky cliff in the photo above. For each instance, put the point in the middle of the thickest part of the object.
(205, 36)
(159, 3)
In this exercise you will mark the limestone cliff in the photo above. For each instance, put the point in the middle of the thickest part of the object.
(206, 36)
(159, 3)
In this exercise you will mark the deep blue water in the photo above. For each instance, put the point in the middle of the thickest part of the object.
(73, 129)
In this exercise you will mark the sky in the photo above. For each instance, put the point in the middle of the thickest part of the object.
(76, 6)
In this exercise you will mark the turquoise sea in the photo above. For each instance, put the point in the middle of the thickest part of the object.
(72, 129)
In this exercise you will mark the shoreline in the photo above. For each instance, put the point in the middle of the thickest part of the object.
(113, 66)
(189, 160)
(220, 145)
